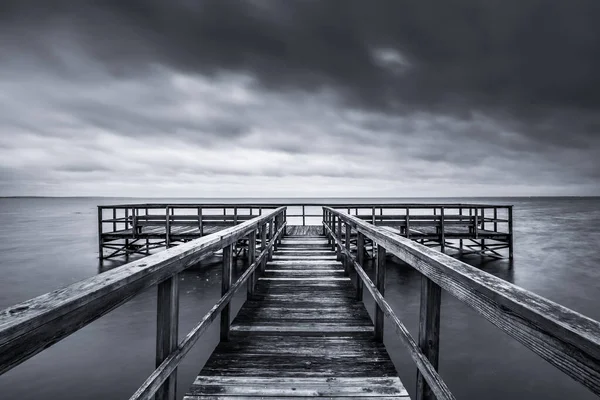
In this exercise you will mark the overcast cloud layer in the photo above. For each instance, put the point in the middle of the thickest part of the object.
(300, 98)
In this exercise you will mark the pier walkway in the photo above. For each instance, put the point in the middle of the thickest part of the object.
(301, 333)
(303, 330)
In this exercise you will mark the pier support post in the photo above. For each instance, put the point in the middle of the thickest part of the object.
(380, 284)
(460, 241)
(429, 332)
(510, 233)
(332, 226)
(270, 239)
(263, 245)
(360, 258)
(251, 260)
(339, 236)
(166, 334)
(442, 227)
(347, 245)
(100, 242)
(225, 285)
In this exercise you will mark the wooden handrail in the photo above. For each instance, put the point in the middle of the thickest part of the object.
(168, 366)
(567, 339)
(34, 325)
(435, 381)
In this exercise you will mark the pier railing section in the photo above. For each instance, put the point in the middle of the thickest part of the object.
(130, 229)
(469, 228)
(30, 327)
(563, 337)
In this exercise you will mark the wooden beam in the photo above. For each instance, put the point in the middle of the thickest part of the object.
(251, 260)
(167, 324)
(225, 285)
(347, 245)
(429, 332)
(360, 257)
(380, 284)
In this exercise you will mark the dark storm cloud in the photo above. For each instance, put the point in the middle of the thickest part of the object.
(530, 59)
(494, 85)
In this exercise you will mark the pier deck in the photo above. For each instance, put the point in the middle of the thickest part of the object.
(303, 333)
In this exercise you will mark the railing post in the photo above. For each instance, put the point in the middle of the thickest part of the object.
(324, 216)
(167, 324)
(510, 232)
(442, 233)
(339, 237)
(100, 243)
(126, 227)
(429, 332)
(303, 216)
(380, 284)
(407, 224)
(201, 222)
(332, 226)
(271, 238)
(495, 219)
(347, 244)
(263, 245)
(360, 258)
(251, 260)
(167, 227)
(276, 225)
(476, 227)
(460, 241)
(225, 285)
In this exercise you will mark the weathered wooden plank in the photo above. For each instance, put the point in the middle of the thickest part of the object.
(309, 387)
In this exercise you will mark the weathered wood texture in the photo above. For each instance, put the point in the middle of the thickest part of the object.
(301, 334)
(568, 340)
(441, 391)
(34, 325)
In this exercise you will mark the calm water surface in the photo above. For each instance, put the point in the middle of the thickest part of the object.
(47, 243)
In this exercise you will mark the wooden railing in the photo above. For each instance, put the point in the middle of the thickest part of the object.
(120, 216)
(30, 327)
(563, 337)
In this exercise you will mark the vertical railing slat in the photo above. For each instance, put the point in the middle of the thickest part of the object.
(167, 330)
(429, 332)
(225, 285)
(263, 245)
(360, 258)
(251, 260)
(380, 284)
(347, 245)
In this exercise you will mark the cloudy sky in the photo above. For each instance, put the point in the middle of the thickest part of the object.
(300, 98)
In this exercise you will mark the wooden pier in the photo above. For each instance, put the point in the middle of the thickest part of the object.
(303, 330)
